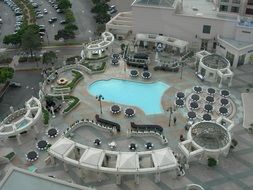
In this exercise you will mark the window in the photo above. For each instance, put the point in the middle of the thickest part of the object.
(224, 1)
(234, 9)
(250, 2)
(206, 29)
(241, 60)
(223, 8)
(247, 32)
(230, 57)
(249, 11)
(236, 1)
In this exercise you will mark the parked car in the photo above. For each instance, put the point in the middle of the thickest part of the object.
(14, 84)
(45, 11)
(63, 22)
(59, 11)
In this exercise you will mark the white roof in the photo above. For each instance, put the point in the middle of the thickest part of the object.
(164, 157)
(92, 156)
(127, 160)
(62, 146)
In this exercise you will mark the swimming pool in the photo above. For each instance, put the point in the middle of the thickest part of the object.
(146, 96)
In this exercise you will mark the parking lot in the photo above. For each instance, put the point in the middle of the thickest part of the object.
(8, 17)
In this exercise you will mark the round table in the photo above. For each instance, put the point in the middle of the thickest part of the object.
(115, 61)
(149, 145)
(115, 109)
(224, 93)
(180, 102)
(129, 112)
(52, 132)
(32, 156)
(180, 95)
(210, 99)
(223, 110)
(207, 117)
(115, 56)
(224, 101)
(146, 75)
(211, 91)
(195, 97)
(197, 89)
(194, 105)
(42, 145)
(134, 73)
(132, 146)
(97, 142)
(191, 115)
(208, 108)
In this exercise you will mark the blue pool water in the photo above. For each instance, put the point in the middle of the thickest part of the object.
(146, 96)
(22, 124)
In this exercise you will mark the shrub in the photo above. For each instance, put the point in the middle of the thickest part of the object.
(73, 102)
(4, 59)
(211, 162)
(5, 74)
(71, 60)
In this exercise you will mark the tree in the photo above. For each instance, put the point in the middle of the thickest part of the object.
(69, 16)
(5, 74)
(65, 34)
(49, 57)
(31, 40)
(102, 18)
(64, 4)
(71, 27)
(211, 162)
(100, 8)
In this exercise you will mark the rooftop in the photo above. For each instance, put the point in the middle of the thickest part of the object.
(159, 3)
(215, 61)
(17, 178)
(237, 44)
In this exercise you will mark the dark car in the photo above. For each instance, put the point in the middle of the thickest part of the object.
(63, 22)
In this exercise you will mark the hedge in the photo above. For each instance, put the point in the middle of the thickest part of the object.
(99, 58)
(45, 116)
(6, 73)
(74, 101)
(102, 67)
(10, 156)
(28, 59)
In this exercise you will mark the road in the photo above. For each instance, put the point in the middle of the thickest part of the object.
(122, 5)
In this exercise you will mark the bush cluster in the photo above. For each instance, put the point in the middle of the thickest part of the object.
(5, 74)
(100, 8)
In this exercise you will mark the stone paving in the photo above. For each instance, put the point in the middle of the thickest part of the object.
(233, 173)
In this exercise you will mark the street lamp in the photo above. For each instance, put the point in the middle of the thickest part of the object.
(182, 67)
(100, 98)
(170, 111)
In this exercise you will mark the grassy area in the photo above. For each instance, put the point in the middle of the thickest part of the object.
(10, 156)
(73, 102)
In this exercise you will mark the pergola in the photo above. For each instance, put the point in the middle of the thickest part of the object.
(126, 163)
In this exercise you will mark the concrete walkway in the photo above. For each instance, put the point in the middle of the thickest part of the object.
(247, 101)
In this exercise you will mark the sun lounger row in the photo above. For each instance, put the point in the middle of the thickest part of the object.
(107, 122)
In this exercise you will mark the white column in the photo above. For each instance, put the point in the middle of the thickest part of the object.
(220, 85)
(118, 179)
(36, 129)
(230, 82)
(65, 167)
(137, 179)
(52, 110)
(52, 159)
(12, 109)
(157, 177)
(18, 139)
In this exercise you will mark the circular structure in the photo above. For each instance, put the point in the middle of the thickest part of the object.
(134, 73)
(224, 102)
(180, 95)
(115, 109)
(32, 156)
(62, 81)
(211, 91)
(191, 115)
(52, 133)
(210, 99)
(129, 112)
(197, 89)
(42, 145)
(194, 105)
(209, 66)
(146, 75)
(179, 102)
(223, 111)
(207, 117)
(224, 93)
(115, 61)
(210, 136)
(208, 108)
(195, 97)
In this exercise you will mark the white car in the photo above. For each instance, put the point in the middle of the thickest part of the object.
(45, 11)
